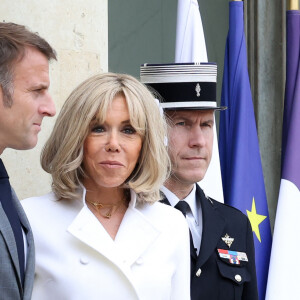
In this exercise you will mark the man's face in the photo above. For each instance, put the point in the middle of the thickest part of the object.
(21, 123)
(190, 145)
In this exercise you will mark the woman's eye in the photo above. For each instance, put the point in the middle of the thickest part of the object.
(98, 129)
(129, 130)
(182, 123)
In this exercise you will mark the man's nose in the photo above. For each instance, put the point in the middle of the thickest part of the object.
(196, 137)
(47, 107)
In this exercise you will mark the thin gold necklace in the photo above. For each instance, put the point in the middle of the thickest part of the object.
(110, 209)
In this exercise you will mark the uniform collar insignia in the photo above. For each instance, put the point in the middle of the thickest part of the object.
(228, 240)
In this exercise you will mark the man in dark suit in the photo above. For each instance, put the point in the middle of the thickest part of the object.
(24, 102)
(222, 251)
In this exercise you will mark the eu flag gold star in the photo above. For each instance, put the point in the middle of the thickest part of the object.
(255, 219)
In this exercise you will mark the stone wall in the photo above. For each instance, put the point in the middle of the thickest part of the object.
(77, 30)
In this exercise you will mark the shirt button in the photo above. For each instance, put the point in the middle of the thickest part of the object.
(84, 260)
(139, 261)
(198, 273)
(238, 278)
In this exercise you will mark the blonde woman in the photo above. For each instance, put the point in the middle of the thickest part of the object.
(100, 233)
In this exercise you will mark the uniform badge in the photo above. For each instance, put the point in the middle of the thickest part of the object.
(227, 240)
(234, 257)
(198, 89)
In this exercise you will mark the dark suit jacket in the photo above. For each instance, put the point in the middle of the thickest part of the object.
(215, 278)
(10, 281)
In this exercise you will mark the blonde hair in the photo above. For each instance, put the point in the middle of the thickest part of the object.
(63, 153)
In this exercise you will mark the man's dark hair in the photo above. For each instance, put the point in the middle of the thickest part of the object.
(14, 39)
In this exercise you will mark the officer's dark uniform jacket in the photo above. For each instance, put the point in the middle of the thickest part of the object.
(213, 277)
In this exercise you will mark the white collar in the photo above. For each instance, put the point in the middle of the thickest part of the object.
(190, 199)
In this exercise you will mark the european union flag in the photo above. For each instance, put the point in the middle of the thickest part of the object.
(241, 168)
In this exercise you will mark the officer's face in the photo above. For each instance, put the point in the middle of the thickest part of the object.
(190, 145)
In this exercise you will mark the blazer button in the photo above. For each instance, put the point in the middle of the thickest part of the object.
(84, 260)
(198, 273)
(238, 278)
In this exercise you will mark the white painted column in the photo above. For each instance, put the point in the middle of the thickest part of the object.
(77, 30)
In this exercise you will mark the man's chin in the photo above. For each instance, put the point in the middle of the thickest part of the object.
(28, 145)
(189, 179)
(193, 176)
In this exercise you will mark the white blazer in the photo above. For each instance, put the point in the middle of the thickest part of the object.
(76, 258)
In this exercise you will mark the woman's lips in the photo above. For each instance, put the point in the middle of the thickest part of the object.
(111, 164)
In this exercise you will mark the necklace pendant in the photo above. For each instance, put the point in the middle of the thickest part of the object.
(108, 215)
(106, 210)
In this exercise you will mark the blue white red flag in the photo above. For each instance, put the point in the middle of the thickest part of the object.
(283, 282)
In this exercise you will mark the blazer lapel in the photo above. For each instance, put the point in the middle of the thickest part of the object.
(135, 235)
(213, 225)
(89, 230)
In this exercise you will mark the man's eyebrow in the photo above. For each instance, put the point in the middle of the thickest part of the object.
(209, 121)
(40, 86)
(182, 117)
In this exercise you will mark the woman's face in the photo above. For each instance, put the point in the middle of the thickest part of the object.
(112, 149)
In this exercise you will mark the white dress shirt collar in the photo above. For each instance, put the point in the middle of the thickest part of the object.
(190, 199)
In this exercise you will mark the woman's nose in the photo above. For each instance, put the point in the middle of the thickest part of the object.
(112, 144)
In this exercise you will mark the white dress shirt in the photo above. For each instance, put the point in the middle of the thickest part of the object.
(193, 215)
(25, 248)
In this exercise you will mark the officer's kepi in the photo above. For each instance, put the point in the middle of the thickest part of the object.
(182, 86)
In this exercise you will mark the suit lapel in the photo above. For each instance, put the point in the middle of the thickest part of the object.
(9, 238)
(213, 225)
(30, 259)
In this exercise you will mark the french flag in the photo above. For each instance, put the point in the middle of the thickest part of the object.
(283, 281)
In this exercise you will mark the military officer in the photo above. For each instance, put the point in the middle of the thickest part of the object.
(222, 250)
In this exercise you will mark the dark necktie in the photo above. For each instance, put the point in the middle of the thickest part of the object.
(11, 213)
(182, 206)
